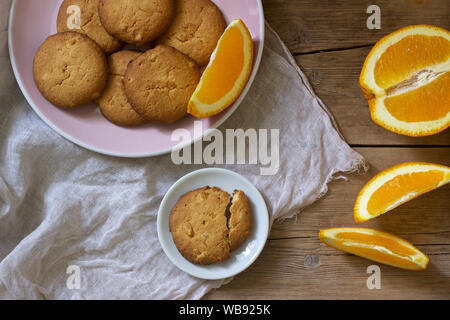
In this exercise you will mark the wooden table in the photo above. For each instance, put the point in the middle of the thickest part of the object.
(330, 40)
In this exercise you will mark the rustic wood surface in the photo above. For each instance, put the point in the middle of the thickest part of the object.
(330, 41)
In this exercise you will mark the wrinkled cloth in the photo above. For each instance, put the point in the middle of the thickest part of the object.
(62, 205)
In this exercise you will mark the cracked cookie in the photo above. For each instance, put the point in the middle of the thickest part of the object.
(160, 82)
(70, 69)
(206, 224)
(82, 16)
(113, 103)
(197, 27)
(240, 221)
(136, 21)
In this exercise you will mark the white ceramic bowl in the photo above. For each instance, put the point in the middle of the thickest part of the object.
(242, 257)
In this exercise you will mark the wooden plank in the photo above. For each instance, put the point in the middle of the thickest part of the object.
(335, 78)
(313, 25)
(425, 216)
(282, 272)
(295, 265)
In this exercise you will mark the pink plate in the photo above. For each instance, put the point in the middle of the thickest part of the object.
(32, 21)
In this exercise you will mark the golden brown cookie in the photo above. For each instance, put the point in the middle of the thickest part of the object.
(70, 69)
(82, 16)
(199, 225)
(241, 221)
(196, 29)
(113, 103)
(136, 21)
(160, 82)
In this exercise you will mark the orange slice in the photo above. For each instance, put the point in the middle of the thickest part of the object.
(226, 74)
(397, 185)
(406, 79)
(375, 245)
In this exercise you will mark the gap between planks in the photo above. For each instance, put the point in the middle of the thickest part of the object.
(295, 54)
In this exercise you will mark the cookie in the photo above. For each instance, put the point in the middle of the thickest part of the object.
(70, 69)
(206, 224)
(240, 221)
(196, 29)
(199, 225)
(113, 103)
(136, 21)
(160, 82)
(82, 16)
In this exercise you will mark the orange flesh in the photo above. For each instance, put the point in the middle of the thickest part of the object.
(226, 68)
(370, 239)
(408, 56)
(400, 186)
(427, 103)
(379, 256)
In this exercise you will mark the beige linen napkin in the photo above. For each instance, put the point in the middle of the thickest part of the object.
(62, 205)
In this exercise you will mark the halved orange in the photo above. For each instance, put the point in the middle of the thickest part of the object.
(406, 80)
(397, 185)
(375, 245)
(226, 74)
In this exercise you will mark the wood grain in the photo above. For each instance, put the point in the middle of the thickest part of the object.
(426, 216)
(330, 42)
(314, 25)
(295, 265)
(282, 272)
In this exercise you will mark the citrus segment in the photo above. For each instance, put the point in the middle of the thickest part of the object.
(397, 185)
(427, 103)
(406, 77)
(409, 55)
(226, 74)
(375, 245)
(225, 70)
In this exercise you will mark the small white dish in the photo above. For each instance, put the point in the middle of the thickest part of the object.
(242, 257)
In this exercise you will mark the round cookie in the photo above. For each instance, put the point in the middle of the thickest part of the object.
(160, 82)
(240, 221)
(113, 103)
(70, 69)
(199, 225)
(82, 16)
(196, 29)
(136, 21)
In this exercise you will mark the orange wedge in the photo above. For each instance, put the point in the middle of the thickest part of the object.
(406, 80)
(226, 74)
(397, 185)
(375, 245)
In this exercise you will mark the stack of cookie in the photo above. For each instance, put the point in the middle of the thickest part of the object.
(139, 60)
